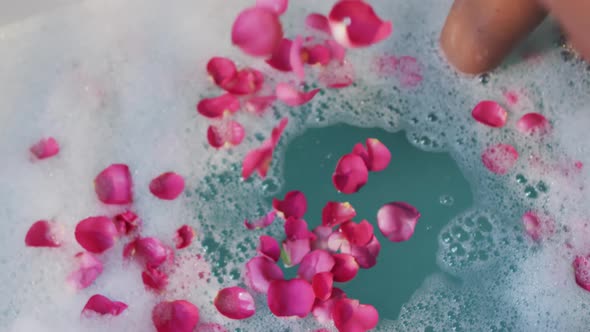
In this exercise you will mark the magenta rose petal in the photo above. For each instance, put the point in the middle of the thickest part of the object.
(321, 233)
(277, 6)
(581, 267)
(360, 150)
(257, 31)
(96, 234)
(295, 58)
(397, 221)
(151, 251)
(354, 24)
(246, 82)
(490, 113)
(235, 303)
(184, 236)
(230, 133)
(335, 213)
(293, 251)
(260, 271)
(292, 97)
(281, 58)
(221, 70)
(316, 261)
(366, 256)
(351, 174)
(175, 316)
(378, 155)
(319, 55)
(499, 158)
(263, 222)
(322, 310)
(357, 234)
(269, 247)
(45, 148)
(322, 285)
(259, 159)
(126, 222)
(288, 298)
(533, 122)
(338, 52)
(154, 279)
(167, 186)
(210, 327)
(351, 316)
(318, 22)
(259, 104)
(104, 306)
(113, 185)
(296, 229)
(338, 242)
(89, 268)
(43, 234)
(217, 107)
(345, 267)
(293, 205)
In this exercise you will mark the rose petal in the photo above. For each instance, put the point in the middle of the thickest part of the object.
(354, 24)
(322, 310)
(175, 316)
(408, 71)
(217, 107)
(318, 22)
(269, 247)
(230, 133)
(378, 155)
(295, 58)
(104, 306)
(281, 58)
(357, 234)
(277, 6)
(167, 186)
(149, 251)
(113, 185)
(499, 158)
(533, 122)
(397, 221)
(210, 327)
(335, 213)
(366, 256)
(581, 267)
(257, 31)
(260, 271)
(96, 234)
(319, 55)
(43, 234)
(45, 148)
(221, 70)
(89, 268)
(293, 205)
(246, 82)
(293, 297)
(321, 233)
(259, 104)
(351, 174)
(351, 316)
(314, 262)
(126, 222)
(322, 285)
(184, 236)
(345, 267)
(337, 242)
(263, 222)
(235, 303)
(536, 226)
(292, 97)
(296, 229)
(490, 114)
(259, 159)
(293, 251)
(338, 52)
(154, 279)
(337, 75)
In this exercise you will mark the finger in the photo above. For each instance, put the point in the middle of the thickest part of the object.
(574, 17)
(479, 34)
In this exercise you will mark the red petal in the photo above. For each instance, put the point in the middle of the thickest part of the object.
(366, 256)
(184, 236)
(318, 22)
(269, 247)
(293, 297)
(260, 271)
(104, 306)
(210, 327)
(294, 205)
(259, 159)
(96, 234)
(259, 104)
(175, 316)
(230, 133)
(345, 267)
(113, 185)
(154, 279)
(490, 113)
(397, 221)
(126, 222)
(337, 75)
(378, 155)
(499, 158)
(235, 303)
(351, 174)
(322, 310)
(335, 213)
(221, 70)
(45, 148)
(296, 229)
(322, 285)
(293, 97)
(42, 234)
(167, 186)
(357, 234)
(295, 58)
(314, 262)
(280, 59)
(89, 268)
(277, 6)
(247, 81)
(354, 24)
(533, 122)
(294, 251)
(351, 316)
(262, 222)
(217, 107)
(150, 251)
(319, 55)
(257, 31)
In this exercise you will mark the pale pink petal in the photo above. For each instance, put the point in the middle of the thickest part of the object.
(43, 234)
(295, 58)
(533, 122)
(490, 113)
(322, 285)
(499, 158)
(45, 148)
(322, 233)
(337, 242)
(175, 316)
(294, 205)
(350, 175)
(88, 269)
(113, 185)
(378, 155)
(296, 229)
(210, 327)
(277, 6)
(259, 104)
(257, 31)
(217, 107)
(409, 71)
(221, 70)
(397, 221)
(322, 310)
(289, 95)
(293, 251)
(354, 24)
(229, 133)
(167, 186)
(345, 267)
(260, 271)
(154, 279)
(288, 298)
(537, 226)
(366, 256)
(96, 234)
(126, 222)
(184, 236)
(335, 213)
(351, 316)
(314, 262)
(319, 55)
(511, 97)
(357, 234)
(337, 75)
(246, 82)
(338, 52)
(263, 222)
(269, 247)
(318, 22)
(104, 306)
(149, 250)
(281, 58)
(235, 303)
(259, 159)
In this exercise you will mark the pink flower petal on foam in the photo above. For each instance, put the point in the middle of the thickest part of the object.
(96, 234)
(184, 236)
(318, 22)
(235, 303)
(167, 186)
(319, 55)
(288, 298)
(45, 148)
(230, 133)
(113, 185)
(397, 221)
(357, 234)
(322, 284)
(322, 310)
(263, 222)
(89, 268)
(490, 113)
(345, 267)
(154, 279)
(354, 24)
(337, 75)
(246, 82)
(409, 71)
(259, 159)
(259, 104)
(294, 205)
(175, 316)
(295, 58)
(104, 306)
(126, 222)
(536, 226)
(260, 271)
(293, 251)
(257, 31)
(378, 155)
(43, 234)
(210, 327)
(533, 122)
(499, 158)
(335, 213)
(217, 107)
(351, 174)
(221, 70)
(314, 262)
(581, 267)
(277, 6)
(292, 97)
(269, 247)
(296, 229)
(366, 256)
(281, 58)
(351, 316)
(338, 52)
(151, 251)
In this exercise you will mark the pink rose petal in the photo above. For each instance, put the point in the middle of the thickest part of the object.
(218, 107)
(294, 205)
(43, 234)
(221, 70)
(260, 271)
(149, 250)
(378, 155)
(351, 316)
(175, 316)
(490, 114)
(408, 71)
(184, 236)
(167, 186)
(126, 222)
(281, 58)
(257, 31)
(89, 268)
(354, 24)
(246, 82)
(235, 303)
(322, 233)
(322, 285)
(292, 97)
(293, 251)
(296, 229)
(154, 279)
(259, 159)
(259, 104)
(288, 298)
(295, 58)
(537, 226)
(366, 256)
(581, 267)
(113, 185)
(45, 148)
(337, 75)
(277, 6)
(104, 306)
(96, 234)
(322, 310)
(319, 55)
(269, 247)
(397, 221)
(533, 122)
(230, 133)
(338, 52)
(345, 267)
(318, 22)
(316, 261)
(263, 222)
(357, 234)
(337, 242)
(210, 327)
(335, 213)
(351, 174)
(499, 158)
